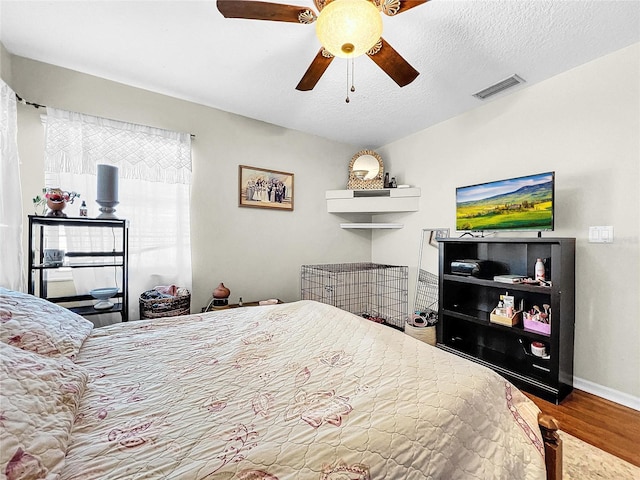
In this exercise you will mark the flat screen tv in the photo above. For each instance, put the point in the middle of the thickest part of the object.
(522, 203)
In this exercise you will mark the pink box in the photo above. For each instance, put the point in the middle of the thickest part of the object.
(530, 323)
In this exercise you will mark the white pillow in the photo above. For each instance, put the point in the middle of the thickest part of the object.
(39, 402)
(37, 325)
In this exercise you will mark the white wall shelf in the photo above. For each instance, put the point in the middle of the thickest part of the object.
(371, 225)
(386, 200)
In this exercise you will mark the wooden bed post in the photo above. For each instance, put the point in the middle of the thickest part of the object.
(552, 446)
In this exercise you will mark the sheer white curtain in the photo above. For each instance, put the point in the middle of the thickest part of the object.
(154, 170)
(11, 255)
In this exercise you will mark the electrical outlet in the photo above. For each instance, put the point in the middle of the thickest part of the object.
(601, 234)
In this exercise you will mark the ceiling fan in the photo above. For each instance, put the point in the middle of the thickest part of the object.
(332, 13)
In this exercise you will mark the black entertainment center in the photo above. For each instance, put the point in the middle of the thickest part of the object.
(468, 295)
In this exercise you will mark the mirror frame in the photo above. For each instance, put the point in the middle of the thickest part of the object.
(376, 182)
(428, 240)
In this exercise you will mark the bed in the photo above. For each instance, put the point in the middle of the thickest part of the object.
(293, 391)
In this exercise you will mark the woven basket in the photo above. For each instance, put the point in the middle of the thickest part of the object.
(166, 307)
(424, 334)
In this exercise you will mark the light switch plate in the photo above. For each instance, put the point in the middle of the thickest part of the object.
(603, 234)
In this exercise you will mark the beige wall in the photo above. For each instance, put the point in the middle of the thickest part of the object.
(256, 253)
(585, 125)
(5, 64)
(582, 124)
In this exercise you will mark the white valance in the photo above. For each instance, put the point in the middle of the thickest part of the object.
(153, 164)
(77, 142)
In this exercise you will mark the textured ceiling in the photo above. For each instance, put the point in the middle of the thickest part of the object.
(186, 49)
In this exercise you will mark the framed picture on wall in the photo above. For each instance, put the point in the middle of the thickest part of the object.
(263, 188)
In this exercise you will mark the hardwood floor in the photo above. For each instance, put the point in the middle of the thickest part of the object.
(602, 423)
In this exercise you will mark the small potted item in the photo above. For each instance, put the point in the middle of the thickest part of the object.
(221, 295)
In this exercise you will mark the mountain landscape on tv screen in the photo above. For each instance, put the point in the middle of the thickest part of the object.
(527, 208)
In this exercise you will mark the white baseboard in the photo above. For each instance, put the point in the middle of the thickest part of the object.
(608, 393)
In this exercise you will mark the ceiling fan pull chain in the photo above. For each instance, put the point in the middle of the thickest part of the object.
(353, 88)
(353, 75)
(347, 99)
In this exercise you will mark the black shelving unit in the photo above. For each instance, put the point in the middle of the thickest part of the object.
(43, 229)
(466, 303)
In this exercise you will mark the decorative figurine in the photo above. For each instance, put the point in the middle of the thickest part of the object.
(57, 200)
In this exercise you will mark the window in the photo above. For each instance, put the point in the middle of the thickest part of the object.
(154, 184)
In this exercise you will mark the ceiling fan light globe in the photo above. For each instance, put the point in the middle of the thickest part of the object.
(349, 28)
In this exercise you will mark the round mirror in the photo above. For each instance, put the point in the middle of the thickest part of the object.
(365, 171)
(368, 164)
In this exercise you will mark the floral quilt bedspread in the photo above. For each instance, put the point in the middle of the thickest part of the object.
(294, 391)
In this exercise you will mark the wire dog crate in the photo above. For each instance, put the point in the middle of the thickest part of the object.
(374, 291)
(426, 303)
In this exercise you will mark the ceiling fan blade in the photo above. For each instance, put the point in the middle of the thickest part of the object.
(394, 65)
(393, 8)
(315, 71)
(265, 11)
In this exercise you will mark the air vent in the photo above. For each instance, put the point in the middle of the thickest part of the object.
(512, 81)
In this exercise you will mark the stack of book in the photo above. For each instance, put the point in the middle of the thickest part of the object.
(509, 278)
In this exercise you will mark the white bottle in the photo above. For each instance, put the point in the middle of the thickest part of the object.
(539, 269)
